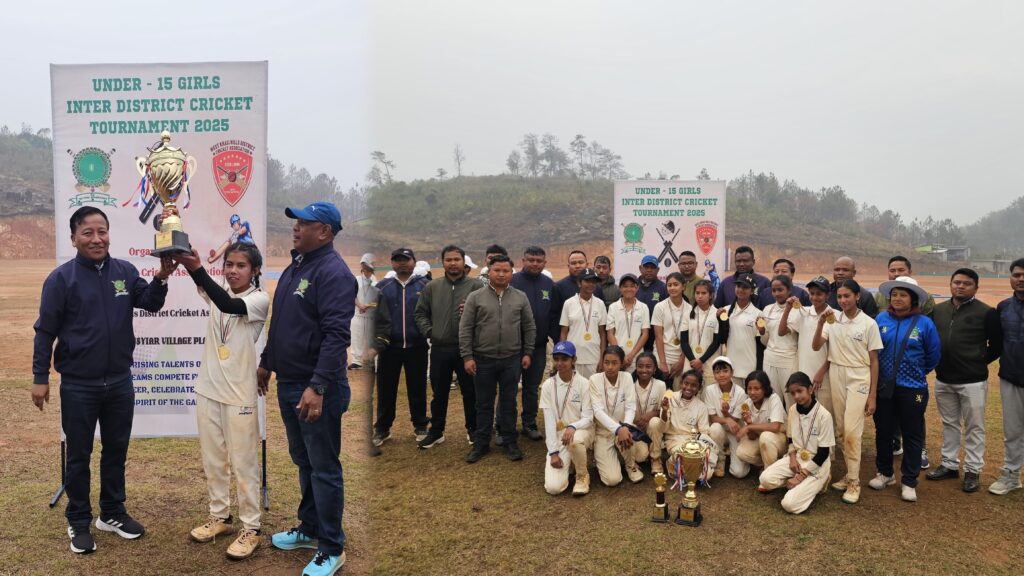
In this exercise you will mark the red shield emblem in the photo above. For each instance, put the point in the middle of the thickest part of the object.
(232, 169)
(707, 233)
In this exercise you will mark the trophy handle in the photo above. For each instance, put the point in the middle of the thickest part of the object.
(193, 165)
(140, 165)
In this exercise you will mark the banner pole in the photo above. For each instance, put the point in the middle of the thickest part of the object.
(63, 474)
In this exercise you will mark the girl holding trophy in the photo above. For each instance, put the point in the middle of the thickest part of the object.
(649, 392)
(614, 401)
(226, 391)
(853, 344)
(684, 412)
(805, 471)
(724, 399)
(568, 418)
(762, 435)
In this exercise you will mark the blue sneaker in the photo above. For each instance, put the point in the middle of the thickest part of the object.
(292, 539)
(925, 464)
(324, 565)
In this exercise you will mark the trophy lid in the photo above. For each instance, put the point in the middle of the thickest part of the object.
(693, 448)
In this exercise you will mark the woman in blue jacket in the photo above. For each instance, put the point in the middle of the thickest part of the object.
(911, 350)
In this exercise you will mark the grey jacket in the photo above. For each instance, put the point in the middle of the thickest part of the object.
(495, 326)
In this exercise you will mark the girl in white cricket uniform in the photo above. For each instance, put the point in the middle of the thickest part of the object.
(805, 471)
(568, 423)
(614, 401)
(649, 392)
(629, 321)
(743, 337)
(853, 345)
(669, 320)
(804, 321)
(366, 310)
(583, 323)
(683, 411)
(780, 349)
(724, 399)
(226, 391)
(763, 432)
(704, 333)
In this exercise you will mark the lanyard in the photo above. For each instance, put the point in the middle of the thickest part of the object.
(700, 333)
(805, 435)
(610, 407)
(629, 320)
(650, 388)
(565, 400)
(586, 313)
(675, 320)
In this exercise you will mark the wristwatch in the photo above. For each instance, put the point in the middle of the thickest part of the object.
(318, 388)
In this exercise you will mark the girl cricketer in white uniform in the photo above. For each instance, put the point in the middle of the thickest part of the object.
(853, 345)
(583, 323)
(226, 391)
(743, 337)
(806, 470)
(568, 423)
(780, 349)
(614, 401)
(762, 434)
(668, 319)
(649, 392)
(629, 322)
(804, 321)
(683, 411)
(704, 332)
(724, 399)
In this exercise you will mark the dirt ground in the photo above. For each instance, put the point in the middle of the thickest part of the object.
(166, 486)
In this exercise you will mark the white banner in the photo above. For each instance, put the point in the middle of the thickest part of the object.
(663, 218)
(104, 117)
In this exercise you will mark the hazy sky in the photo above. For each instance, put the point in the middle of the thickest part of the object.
(915, 106)
(908, 105)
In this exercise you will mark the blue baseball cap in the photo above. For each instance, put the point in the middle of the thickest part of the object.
(565, 348)
(318, 212)
(649, 260)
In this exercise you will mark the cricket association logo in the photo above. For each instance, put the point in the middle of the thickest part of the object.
(91, 167)
(232, 169)
(707, 234)
(633, 233)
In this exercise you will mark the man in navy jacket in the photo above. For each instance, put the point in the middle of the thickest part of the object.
(539, 290)
(87, 307)
(400, 344)
(307, 345)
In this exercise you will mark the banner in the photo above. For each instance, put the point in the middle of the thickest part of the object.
(104, 117)
(663, 218)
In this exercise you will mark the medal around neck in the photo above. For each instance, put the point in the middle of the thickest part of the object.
(166, 171)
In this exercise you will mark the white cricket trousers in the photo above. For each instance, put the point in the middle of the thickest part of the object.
(229, 440)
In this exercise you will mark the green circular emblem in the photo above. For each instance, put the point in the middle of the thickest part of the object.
(634, 233)
(91, 167)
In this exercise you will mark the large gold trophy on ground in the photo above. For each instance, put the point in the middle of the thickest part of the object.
(168, 170)
(693, 455)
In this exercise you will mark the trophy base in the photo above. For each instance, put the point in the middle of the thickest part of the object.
(661, 515)
(689, 516)
(170, 242)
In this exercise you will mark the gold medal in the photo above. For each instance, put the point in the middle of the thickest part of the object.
(699, 350)
(761, 323)
(725, 397)
(629, 344)
(745, 409)
(723, 316)
(222, 352)
(675, 341)
(560, 425)
(805, 455)
(831, 319)
(797, 304)
(587, 336)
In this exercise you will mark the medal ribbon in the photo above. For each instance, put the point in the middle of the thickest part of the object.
(608, 405)
(565, 400)
(586, 314)
(805, 436)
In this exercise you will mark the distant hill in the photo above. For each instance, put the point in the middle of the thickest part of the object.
(999, 234)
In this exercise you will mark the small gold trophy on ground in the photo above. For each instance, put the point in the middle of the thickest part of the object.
(168, 170)
(660, 507)
(692, 455)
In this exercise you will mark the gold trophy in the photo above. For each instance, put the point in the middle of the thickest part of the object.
(168, 170)
(660, 507)
(692, 453)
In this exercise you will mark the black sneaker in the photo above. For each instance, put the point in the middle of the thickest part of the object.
(532, 434)
(82, 541)
(498, 440)
(942, 473)
(380, 437)
(432, 439)
(477, 453)
(121, 524)
(354, 366)
(897, 446)
(513, 452)
(420, 433)
(971, 481)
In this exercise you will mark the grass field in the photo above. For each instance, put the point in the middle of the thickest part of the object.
(166, 486)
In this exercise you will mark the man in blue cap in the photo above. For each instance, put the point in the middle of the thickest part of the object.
(307, 346)
(651, 290)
